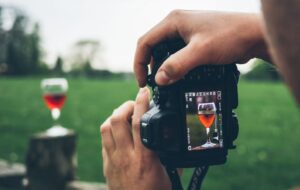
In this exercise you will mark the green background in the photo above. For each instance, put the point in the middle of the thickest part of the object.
(267, 154)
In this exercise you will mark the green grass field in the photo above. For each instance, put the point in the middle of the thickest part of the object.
(267, 156)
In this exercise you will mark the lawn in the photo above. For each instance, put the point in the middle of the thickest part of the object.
(267, 156)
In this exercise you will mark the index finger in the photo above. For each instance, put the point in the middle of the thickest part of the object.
(141, 106)
(162, 31)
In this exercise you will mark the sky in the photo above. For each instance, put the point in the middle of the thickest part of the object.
(117, 24)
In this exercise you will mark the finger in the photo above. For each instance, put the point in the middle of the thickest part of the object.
(181, 62)
(120, 125)
(104, 158)
(107, 139)
(141, 106)
(166, 29)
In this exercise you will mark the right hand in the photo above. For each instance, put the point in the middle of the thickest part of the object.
(127, 163)
(211, 38)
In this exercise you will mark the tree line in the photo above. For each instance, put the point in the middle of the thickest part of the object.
(21, 53)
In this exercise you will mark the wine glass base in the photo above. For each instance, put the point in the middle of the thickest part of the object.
(208, 145)
(57, 130)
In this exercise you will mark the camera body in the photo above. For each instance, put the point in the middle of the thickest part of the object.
(191, 123)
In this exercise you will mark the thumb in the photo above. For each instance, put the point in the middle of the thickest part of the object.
(180, 63)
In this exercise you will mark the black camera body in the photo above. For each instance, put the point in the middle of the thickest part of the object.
(191, 123)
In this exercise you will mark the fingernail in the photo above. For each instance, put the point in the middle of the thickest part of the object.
(162, 78)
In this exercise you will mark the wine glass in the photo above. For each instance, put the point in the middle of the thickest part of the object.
(54, 94)
(206, 116)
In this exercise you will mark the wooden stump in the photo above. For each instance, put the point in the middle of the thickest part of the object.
(11, 174)
(51, 160)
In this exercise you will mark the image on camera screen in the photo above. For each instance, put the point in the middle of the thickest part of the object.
(204, 120)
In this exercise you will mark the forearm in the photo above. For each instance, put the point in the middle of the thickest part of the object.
(282, 31)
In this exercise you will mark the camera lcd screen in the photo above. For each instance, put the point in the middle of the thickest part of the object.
(204, 120)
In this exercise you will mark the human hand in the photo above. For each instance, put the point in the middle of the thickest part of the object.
(127, 163)
(211, 38)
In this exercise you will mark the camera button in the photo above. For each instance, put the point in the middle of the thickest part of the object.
(145, 133)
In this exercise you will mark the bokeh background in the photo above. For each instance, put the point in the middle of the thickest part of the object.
(92, 44)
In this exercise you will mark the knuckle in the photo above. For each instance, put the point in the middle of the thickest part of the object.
(173, 17)
(116, 118)
(129, 103)
(129, 107)
(141, 42)
(206, 47)
(120, 115)
(175, 14)
(205, 43)
(104, 128)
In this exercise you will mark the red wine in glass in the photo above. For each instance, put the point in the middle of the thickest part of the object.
(55, 100)
(206, 117)
(54, 93)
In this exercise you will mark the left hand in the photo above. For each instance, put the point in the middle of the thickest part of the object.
(127, 163)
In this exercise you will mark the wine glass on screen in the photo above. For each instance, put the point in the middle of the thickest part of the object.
(206, 116)
(54, 94)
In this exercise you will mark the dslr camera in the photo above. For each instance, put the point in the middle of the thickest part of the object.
(191, 122)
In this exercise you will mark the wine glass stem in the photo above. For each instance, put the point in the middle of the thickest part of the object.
(207, 131)
(55, 113)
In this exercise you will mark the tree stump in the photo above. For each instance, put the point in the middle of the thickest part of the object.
(51, 159)
(11, 174)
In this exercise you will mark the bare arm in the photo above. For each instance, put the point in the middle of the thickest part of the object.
(282, 30)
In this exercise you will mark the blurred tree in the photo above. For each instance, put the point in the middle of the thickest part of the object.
(82, 55)
(35, 48)
(58, 68)
(18, 58)
(2, 44)
(21, 52)
(87, 68)
(263, 71)
(1, 22)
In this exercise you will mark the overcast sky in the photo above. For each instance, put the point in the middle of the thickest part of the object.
(117, 24)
